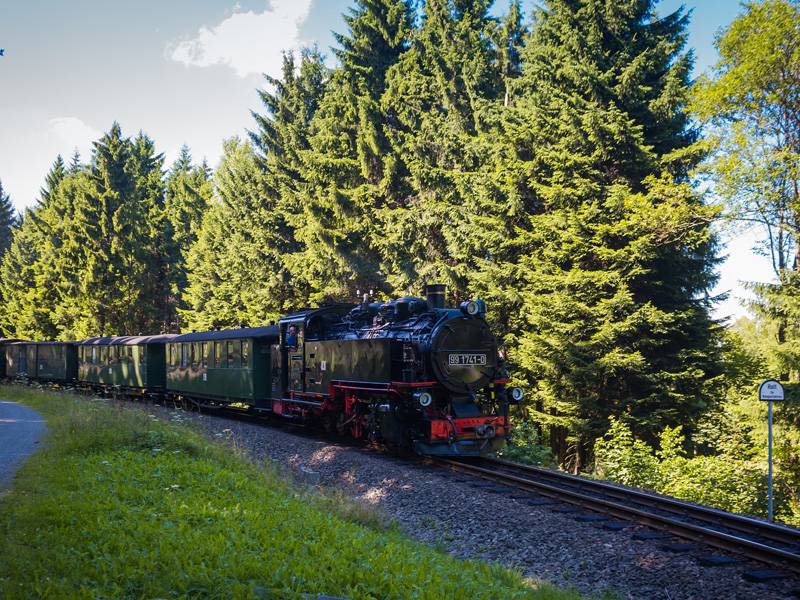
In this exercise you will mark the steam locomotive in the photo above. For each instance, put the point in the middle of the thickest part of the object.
(409, 373)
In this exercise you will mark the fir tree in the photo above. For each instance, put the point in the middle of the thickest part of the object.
(113, 239)
(345, 163)
(510, 39)
(616, 258)
(75, 164)
(437, 96)
(8, 220)
(236, 270)
(55, 176)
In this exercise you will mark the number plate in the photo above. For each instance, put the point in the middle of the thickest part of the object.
(466, 360)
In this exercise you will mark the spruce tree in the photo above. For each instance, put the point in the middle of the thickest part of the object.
(8, 220)
(282, 131)
(236, 270)
(75, 163)
(616, 258)
(437, 95)
(509, 40)
(112, 241)
(55, 176)
(18, 318)
(345, 163)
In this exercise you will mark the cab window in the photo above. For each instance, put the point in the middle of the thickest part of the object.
(293, 336)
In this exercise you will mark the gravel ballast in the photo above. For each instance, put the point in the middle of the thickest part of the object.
(466, 519)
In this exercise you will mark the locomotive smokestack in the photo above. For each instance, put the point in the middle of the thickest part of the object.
(435, 295)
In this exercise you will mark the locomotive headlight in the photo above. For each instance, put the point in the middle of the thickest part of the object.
(424, 398)
(470, 308)
(517, 394)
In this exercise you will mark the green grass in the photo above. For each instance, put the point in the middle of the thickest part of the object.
(120, 505)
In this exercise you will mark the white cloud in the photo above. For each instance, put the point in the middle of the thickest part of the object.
(248, 42)
(71, 133)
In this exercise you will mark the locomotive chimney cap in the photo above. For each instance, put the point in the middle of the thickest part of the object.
(434, 293)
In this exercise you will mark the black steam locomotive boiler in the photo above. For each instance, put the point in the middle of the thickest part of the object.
(409, 373)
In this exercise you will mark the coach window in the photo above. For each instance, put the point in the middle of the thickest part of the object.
(103, 355)
(94, 355)
(173, 355)
(219, 351)
(184, 352)
(204, 355)
(142, 353)
(245, 353)
(234, 354)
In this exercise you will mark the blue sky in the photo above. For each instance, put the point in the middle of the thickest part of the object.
(186, 71)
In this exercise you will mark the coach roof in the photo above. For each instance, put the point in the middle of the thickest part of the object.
(26, 343)
(128, 340)
(270, 331)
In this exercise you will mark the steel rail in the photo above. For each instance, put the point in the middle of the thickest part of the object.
(750, 548)
(715, 516)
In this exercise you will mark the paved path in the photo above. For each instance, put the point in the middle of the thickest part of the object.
(21, 428)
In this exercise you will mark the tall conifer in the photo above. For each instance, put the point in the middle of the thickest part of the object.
(8, 220)
(616, 258)
(436, 98)
(347, 177)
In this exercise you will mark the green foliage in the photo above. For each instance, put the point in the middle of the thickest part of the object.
(751, 106)
(605, 280)
(526, 445)
(237, 274)
(98, 254)
(729, 480)
(622, 458)
(8, 220)
(187, 198)
(111, 505)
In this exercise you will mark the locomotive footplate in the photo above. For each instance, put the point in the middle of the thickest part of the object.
(464, 437)
(473, 447)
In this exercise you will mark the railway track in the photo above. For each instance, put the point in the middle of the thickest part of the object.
(769, 543)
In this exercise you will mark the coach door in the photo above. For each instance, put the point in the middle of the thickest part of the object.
(292, 339)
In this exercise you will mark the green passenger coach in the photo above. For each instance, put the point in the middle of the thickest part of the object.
(231, 365)
(123, 362)
(48, 361)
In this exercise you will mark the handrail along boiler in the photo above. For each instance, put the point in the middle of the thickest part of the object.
(408, 373)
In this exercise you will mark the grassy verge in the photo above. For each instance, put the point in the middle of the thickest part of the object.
(119, 505)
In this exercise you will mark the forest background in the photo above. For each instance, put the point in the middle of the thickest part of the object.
(561, 165)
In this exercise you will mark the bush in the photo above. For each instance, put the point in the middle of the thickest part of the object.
(525, 446)
(621, 458)
(723, 481)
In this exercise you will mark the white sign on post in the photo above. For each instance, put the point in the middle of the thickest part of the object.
(770, 390)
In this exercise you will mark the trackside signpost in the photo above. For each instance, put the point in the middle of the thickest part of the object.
(770, 391)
